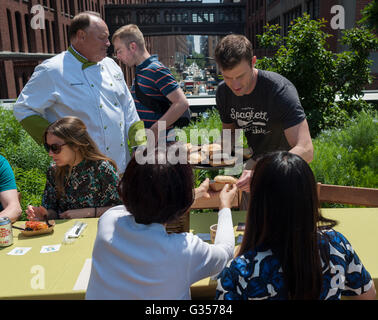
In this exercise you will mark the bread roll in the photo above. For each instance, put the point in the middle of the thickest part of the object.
(225, 179)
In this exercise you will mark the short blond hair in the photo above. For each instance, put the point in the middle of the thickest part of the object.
(130, 33)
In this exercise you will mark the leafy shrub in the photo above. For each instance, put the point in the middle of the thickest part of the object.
(29, 160)
(349, 155)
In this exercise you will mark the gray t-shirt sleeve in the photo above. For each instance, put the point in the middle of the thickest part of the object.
(290, 110)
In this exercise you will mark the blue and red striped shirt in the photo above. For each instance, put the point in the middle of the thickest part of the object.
(154, 80)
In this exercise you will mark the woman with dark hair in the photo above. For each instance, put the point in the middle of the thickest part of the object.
(289, 250)
(135, 258)
(82, 182)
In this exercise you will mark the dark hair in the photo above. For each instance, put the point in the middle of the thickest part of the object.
(80, 22)
(74, 133)
(283, 216)
(232, 49)
(157, 193)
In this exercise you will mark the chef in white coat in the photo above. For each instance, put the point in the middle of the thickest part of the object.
(85, 83)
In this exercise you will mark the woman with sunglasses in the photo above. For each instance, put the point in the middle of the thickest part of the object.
(289, 250)
(82, 182)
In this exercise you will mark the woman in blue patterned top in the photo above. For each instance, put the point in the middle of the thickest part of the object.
(289, 250)
(82, 182)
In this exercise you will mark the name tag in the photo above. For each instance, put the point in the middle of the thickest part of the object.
(77, 84)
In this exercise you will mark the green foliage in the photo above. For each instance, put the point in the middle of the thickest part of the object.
(318, 74)
(370, 16)
(349, 155)
(29, 161)
(197, 58)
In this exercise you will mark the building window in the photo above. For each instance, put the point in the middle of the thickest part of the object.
(28, 35)
(313, 9)
(72, 7)
(10, 28)
(55, 38)
(43, 34)
(20, 37)
(48, 39)
(290, 16)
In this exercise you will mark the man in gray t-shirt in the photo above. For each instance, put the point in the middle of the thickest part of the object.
(262, 103)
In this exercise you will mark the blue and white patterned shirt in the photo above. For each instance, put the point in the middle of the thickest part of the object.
(258, 274)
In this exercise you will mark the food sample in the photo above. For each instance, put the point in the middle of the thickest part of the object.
(35, 225)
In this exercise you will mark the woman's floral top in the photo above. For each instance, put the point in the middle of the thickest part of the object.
(92, 184)
(257, 274)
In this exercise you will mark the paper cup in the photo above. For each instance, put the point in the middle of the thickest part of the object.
(213, 232)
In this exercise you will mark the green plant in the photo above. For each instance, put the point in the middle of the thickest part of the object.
(29, 160)
(349, 155)
(318, 74)
(370, 16)
(31, 184)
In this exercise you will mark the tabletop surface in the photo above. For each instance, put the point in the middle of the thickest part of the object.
(64, 274)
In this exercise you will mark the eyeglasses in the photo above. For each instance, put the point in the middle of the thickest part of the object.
(55, 148)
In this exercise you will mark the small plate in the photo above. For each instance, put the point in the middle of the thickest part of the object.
(38, 232)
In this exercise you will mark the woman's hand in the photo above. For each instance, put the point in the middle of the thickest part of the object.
(36, 213)
(227, 195)
(203, 190)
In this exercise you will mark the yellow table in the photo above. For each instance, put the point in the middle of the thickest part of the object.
(50, 275)
(358, 225)
(62, 274)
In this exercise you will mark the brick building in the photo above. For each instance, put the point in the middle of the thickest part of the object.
(31, 46)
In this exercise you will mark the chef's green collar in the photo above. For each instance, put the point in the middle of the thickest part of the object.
(84, 61)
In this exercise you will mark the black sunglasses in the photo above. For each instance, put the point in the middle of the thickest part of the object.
(55, 148)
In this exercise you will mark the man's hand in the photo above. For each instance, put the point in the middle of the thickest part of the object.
(244, 181)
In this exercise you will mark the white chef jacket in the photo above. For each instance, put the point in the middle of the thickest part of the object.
(98, 95)
(132, 261)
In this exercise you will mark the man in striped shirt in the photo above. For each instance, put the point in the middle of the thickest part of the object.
(153, 79)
